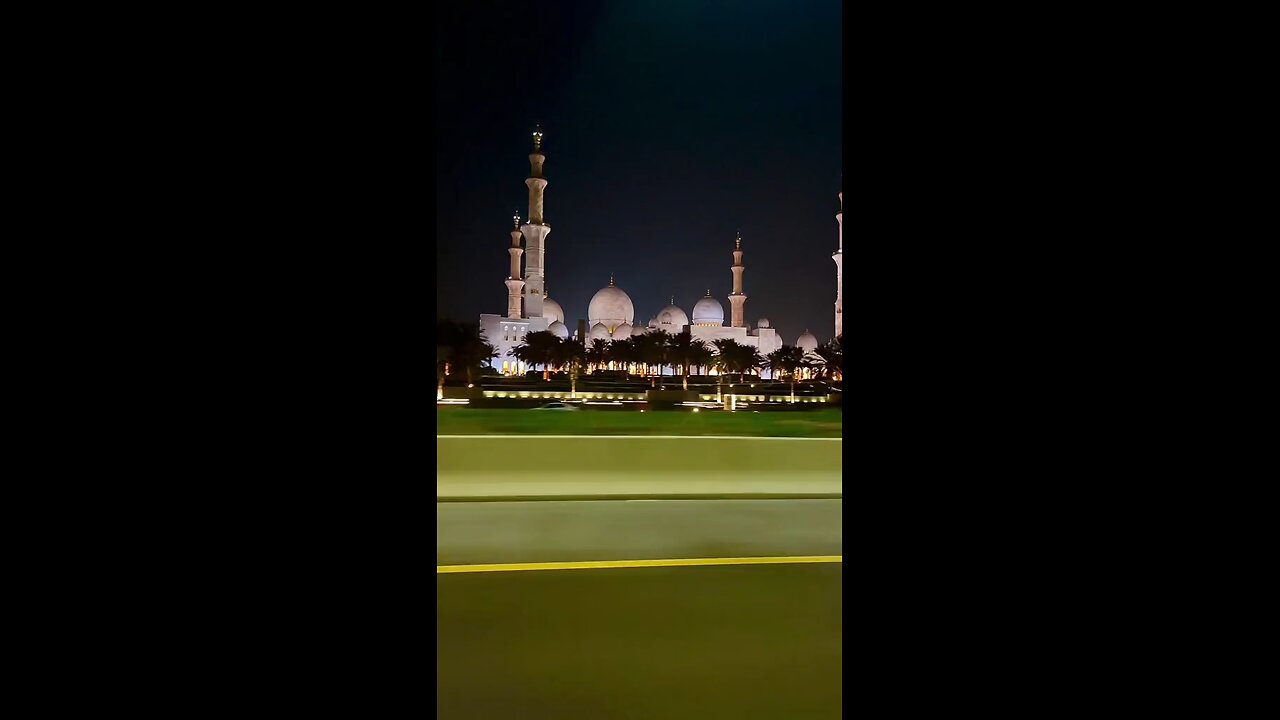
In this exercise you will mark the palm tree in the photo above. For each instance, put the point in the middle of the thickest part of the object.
(832, 354)
(524, 354)
(460, 345)
(623, 352)
(570, 353)
(701, 356)
(748, 358)
(652, 350)
(684, 351)
(540, 347)
(788, 359)
(597, 353)
(723, 361)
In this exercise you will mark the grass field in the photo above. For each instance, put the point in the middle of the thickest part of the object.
(709, 642)
(468, 421)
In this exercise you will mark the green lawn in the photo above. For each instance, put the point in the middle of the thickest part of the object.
(468, 421)
(706, 643)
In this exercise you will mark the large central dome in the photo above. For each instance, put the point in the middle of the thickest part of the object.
(610, 307)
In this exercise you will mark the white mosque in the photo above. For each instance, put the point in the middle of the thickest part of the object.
(611, 314)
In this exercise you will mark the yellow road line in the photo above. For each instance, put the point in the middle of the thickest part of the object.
(677, 562)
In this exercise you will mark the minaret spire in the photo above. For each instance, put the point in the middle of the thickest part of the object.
(737, 298)
(513, 281)
(535, 232)
(838, 257)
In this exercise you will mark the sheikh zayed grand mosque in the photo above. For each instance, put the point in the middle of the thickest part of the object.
(611, 314)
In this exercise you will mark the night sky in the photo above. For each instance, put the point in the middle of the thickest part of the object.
(668, 127)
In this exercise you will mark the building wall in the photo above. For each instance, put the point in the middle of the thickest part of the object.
(711, 334)
(504, 334)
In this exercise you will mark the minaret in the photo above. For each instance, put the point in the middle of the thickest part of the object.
(535, 232)
(736, 298)
(837, 256)
(514, 283)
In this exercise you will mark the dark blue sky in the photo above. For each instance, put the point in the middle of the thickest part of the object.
(668, 127)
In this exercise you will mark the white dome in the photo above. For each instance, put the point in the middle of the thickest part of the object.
(610, 306)
(672, 315)
(708, 311)
(598, 332)
(551, 310)
(622, 331)
(763, 323)
(807, 341)
(558, 329)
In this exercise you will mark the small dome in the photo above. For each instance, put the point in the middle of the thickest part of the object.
(610, 306)
(708, 311)
(807, 341)
(598, 332)
(558, 329)
(622, 331)
(763, 323)
(672, 315)
(551, 310)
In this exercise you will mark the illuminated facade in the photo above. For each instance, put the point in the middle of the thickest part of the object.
(539, 312)
(610, 314)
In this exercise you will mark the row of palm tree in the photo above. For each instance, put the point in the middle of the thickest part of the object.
(648, 353)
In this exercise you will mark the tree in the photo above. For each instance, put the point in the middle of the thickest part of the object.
(623, 352)
(651, 350)
(748, 358)
(540, 347)
(460, 345)
(788, 359)
(725, 361)
(684, 350)
(598, 353)
(570, 353)
(832, 354)
(524, 354)
(701, 356)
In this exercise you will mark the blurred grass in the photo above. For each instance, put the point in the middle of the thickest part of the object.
(468, 421)
(720, 642)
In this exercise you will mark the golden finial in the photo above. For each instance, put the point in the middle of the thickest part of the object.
(537, 138)
(673, 299)
(610, 279)
(739, 241)
(708, 292)
(515, 219)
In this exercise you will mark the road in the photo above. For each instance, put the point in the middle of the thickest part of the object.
(739, 641)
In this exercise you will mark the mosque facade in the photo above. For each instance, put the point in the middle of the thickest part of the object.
(611, 313)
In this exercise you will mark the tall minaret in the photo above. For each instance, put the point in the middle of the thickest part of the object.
(737, 298)
(535, 232)
(837, 256)
(514, 283)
